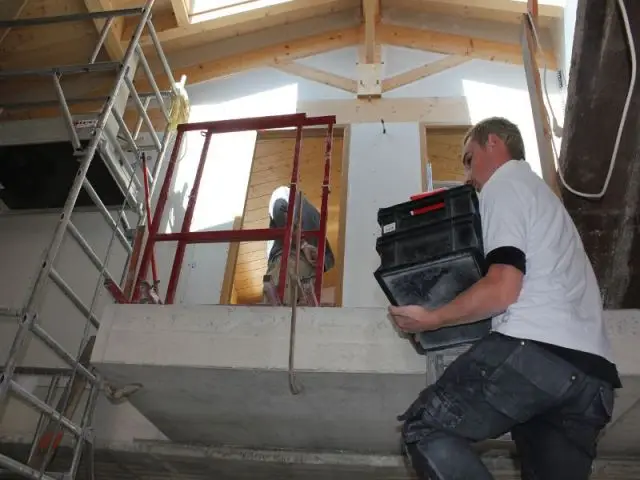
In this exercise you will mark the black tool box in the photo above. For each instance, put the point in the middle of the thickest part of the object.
(429, 207)
(433, 252)
(430, 241)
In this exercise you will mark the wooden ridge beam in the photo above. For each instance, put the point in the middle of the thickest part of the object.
(424, 71)
(371, 17)
(454, 44)
(112, 43)
(317, 75)
(435, 111)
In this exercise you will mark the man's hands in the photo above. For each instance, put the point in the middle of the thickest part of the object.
(414, 319)
(310, 253)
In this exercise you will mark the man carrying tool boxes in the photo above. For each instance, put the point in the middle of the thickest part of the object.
(545, 373)
(278, 206)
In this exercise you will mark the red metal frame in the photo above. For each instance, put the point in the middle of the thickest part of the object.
(116, 292)
(147, 205)
(186, 237)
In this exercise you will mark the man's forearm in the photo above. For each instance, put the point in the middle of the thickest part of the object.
(483, 300)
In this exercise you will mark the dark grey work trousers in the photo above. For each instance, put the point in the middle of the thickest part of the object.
(502, 384)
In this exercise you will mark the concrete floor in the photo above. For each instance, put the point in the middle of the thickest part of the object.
(166, 461)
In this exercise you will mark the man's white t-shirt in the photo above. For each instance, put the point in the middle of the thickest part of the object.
(560, 301)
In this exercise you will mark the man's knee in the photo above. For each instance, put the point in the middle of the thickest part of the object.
(438, 454)
(418, 430)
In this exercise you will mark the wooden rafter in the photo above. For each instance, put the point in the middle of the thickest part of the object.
(498, 11)
(371, 16)
(507, 6)
(424, 71)
(181, 11)
(454, 44)
(281, 53)
(317, 75)
(113, 42)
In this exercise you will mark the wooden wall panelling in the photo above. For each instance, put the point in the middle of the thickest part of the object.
(272, 163)
(444, 152)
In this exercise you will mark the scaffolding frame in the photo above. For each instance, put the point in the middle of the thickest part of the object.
(81, 375)
(186, 237)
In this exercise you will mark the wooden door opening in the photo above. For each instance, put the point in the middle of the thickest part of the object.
(441, 147)
(271, 168)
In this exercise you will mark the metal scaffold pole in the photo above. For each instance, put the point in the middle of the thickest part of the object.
(56, 419)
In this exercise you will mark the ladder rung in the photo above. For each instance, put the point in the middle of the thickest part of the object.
(71, 295)
(124, 184)
(107, 216)
(44, 408)
(70, 101)
(75, 233)
(20, 469)
(28, 22)
(62, 69)
(9, 312)
(51, 342)
(126, 132)
(152, 82)
(143, 112)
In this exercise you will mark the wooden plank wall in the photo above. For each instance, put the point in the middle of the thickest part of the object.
(444, 151)
(272, 163)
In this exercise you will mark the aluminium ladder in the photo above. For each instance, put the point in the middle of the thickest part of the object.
(55, 420)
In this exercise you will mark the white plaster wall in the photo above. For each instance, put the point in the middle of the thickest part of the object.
(384, 169)
(23, 241)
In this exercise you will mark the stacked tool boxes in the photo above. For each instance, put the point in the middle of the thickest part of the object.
(430, 251)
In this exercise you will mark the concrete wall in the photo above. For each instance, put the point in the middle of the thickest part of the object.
(384, 169)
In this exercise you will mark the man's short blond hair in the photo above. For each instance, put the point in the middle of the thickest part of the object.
(507, 131)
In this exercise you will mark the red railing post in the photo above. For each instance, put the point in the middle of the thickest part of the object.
(147, 204)
(324, 211)
(186, 222)
(186, 237)
(157, 216)
(288, 232)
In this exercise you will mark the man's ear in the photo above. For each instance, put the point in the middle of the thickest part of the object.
(494, 140)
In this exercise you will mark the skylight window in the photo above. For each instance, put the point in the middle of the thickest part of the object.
(203, 10)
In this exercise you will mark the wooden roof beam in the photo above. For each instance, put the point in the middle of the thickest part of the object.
(113, 42)
(424, 71)
(544, 9)
(371, 17)
(281, 53)
(454, 44)
(317, 75)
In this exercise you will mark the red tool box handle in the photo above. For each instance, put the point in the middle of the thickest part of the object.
(428, 208)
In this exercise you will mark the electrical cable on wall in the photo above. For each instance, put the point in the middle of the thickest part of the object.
(627, 103)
